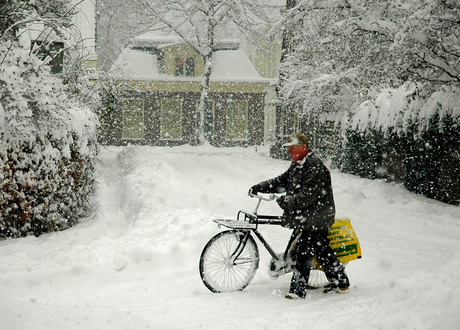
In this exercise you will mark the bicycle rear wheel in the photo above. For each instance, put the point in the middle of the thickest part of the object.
(218, 272)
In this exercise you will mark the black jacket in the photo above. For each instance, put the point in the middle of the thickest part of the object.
(309, 202)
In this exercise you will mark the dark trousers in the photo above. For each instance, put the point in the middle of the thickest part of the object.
(310, 244)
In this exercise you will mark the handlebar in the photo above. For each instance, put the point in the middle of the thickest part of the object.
(269, 198)
(260, 198)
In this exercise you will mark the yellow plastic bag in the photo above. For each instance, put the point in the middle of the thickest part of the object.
(344, 242)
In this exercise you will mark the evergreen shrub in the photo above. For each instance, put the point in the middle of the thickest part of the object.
(420, 135)
(47, 149)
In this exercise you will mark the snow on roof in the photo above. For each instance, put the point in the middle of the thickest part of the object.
(228, 66)
(160, 39)
(157, 39)
(138, 65)
(234, 65)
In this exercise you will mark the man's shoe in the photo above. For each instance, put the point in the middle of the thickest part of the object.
(336, 288)
(296, 294)
(292, 296)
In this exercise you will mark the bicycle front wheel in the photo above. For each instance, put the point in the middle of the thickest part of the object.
(229, 261)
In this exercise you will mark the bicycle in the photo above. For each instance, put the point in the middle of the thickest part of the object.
(230, 259)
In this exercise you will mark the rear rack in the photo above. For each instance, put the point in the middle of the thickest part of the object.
(235, 224)
(247, 220)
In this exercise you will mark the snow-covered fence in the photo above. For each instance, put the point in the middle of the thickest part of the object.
(47, 149)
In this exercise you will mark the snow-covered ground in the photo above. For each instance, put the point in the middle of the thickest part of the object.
(134, 263)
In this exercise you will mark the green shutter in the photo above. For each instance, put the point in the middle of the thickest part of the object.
(171, 119)
(133, 118)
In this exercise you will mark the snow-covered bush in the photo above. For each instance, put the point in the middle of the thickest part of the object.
(403, 135)
(47, 148)
(396, 110)
(360, 154)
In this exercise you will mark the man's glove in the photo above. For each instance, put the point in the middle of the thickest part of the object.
(283, 201)
(254, 190)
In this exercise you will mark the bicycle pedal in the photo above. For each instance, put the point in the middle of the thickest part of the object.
(309, 287)
(273, 274)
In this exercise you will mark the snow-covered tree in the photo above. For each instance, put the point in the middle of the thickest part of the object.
(331, 66)
(392, 69)
(115, 28)
(344, 51)
(353, 45)
(424, 35)
(17, 15)
(201, 23)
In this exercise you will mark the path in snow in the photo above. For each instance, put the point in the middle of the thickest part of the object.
(134, 263)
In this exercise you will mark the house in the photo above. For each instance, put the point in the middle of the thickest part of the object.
(159, 81)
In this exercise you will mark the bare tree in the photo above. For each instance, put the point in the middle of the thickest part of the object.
(201, 23)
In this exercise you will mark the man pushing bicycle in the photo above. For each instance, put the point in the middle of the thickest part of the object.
(308, 206)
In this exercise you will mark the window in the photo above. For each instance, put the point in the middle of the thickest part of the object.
(133, 119)
(190, 67)
(171, 119)
(179, 66)
(53, 52)
(160, 61)
(237, 120)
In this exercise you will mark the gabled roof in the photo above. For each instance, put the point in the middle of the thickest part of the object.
(230, 64)
(157, 39)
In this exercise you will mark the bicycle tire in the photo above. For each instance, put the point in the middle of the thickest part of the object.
(216, 272)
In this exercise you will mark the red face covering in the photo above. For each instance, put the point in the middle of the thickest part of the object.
(298, 152)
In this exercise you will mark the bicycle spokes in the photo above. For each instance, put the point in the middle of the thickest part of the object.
(229, 261)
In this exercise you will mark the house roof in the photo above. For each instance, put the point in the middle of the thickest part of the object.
(157, 39)
(230, 65)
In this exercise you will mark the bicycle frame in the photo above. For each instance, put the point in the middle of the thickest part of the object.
(230, 259)
(342, 236)
(250, 222)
